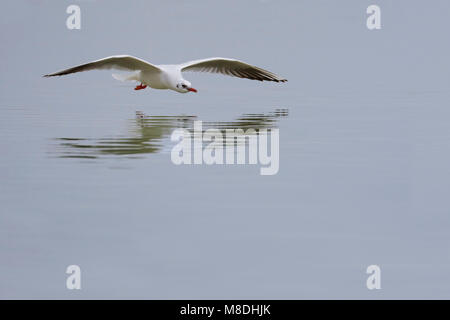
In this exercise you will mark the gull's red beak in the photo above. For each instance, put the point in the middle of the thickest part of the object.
(192, 89)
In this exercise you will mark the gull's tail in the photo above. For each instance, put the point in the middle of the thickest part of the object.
(127, 77)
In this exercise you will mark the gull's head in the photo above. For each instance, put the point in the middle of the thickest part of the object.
(185, 86)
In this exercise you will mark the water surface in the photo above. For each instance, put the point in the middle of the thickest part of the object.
(86, 176)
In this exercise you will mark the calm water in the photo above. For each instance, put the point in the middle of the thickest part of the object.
(87, 179)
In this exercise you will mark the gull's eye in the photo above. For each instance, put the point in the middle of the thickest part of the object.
(184, 86)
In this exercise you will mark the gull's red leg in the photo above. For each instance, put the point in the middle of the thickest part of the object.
(141, 86)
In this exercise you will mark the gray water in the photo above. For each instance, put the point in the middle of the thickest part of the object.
(86, 176)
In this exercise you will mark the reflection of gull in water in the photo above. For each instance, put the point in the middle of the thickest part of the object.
(151, 134)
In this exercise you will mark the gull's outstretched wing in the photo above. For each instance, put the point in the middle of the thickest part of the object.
(122, 62)
(231, 67)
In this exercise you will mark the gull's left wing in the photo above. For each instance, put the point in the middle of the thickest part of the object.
(231, 67)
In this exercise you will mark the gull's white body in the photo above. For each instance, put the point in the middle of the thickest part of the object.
(170, 76)
(167, 79)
